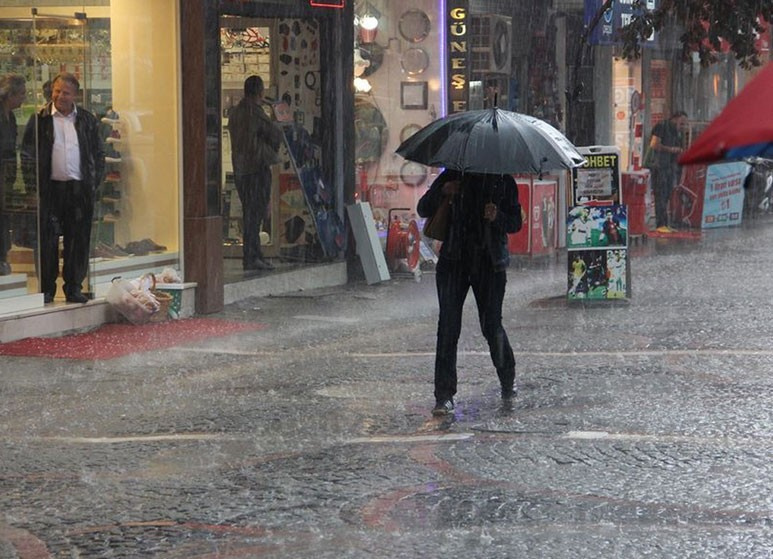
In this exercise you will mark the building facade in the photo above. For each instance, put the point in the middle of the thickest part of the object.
(347, 81)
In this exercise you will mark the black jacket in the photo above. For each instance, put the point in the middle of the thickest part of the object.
(90, 141)
(475, 192)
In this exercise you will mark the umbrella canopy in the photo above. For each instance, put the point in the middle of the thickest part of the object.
(491, 141)
(744, 128)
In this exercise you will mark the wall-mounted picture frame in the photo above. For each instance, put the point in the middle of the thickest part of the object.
(414, 26)
(408, 131)
(414, 61)
(413, 174)
(413, 95)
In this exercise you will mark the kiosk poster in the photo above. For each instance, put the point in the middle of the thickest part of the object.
(723, 197)
(599, 178)
(597, 227)
(598, 274)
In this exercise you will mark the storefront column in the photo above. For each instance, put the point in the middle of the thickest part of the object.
(202, 223)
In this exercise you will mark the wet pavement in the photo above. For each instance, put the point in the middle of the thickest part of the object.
(641, 429)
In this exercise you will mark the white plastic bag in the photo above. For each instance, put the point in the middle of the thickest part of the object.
(169, 275)
(133, 299)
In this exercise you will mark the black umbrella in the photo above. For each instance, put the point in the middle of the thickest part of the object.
(491, 141)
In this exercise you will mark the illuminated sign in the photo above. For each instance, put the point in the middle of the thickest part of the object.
(457, 51)
(327, 3)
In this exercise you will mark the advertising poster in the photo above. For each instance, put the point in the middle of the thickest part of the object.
(723, 198)
(598, 274)
(709, 196)
(539, 211)
(599, 178)
(597, 227)
(543, 222)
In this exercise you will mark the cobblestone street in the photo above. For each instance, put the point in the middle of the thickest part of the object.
(641, 429)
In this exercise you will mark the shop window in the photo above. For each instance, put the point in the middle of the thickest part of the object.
(124, 55)
(300, 225)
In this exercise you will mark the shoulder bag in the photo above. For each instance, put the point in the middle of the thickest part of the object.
(436, 225)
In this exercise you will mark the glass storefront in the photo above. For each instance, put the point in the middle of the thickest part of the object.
(301, 224)
(125, 56)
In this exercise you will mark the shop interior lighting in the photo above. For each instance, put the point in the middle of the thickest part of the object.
(368, 16)
(362, 85)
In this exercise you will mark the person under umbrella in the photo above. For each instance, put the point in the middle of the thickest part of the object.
(480, 150)
(474, 254)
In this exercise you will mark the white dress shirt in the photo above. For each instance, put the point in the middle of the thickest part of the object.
(66, 154)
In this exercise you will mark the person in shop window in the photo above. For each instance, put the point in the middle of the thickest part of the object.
(666, 143)
(29, 169)
(66, 147)
(474, 254)
(255, 140)
(13, 91)
(491, 94)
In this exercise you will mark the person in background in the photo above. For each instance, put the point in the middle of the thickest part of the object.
(474, 254)
(66, 146)
(667, 142)
(491, 94)
(254, 144)
(13, 91)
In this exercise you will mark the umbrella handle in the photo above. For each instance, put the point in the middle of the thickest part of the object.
(539, 173)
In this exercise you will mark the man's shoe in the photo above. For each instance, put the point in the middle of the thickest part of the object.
(5, 268)
(443, 407)
(259, 264)
(508, 394)
(48, 298)
(76, 297)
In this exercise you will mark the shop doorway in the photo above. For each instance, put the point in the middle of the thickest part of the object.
(297, 228)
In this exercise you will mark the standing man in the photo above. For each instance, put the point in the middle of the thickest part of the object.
(12, 94)
(254, 144)
(70, 166)
(666, 143)
(484, 209)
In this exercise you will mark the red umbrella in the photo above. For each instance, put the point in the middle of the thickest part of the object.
(744, 128)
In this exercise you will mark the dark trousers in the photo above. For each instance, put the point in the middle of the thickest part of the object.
(663, 181)
(454, 279)
(7, 176)
(254, 192)
(66, 209)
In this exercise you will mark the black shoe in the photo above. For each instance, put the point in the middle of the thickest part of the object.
(48, 298)
(443, 407)
(259, 264)
(5, 268)
(76, 297)
(508, 394)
